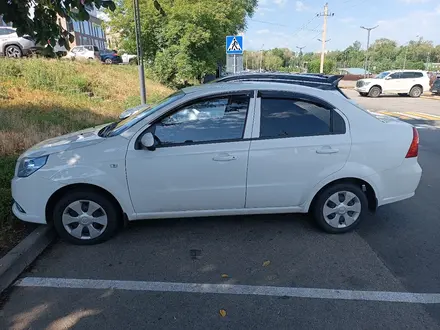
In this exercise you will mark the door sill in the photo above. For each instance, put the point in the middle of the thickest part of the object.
(214, 213)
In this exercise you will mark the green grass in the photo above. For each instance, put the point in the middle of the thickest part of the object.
(41, 98)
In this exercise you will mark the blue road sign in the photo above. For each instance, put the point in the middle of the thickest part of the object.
(234, 45)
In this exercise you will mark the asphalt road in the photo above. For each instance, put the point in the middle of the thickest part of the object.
(397, 249)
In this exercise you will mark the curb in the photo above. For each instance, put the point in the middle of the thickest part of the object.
(21, 256)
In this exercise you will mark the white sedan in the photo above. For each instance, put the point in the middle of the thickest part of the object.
(221, 149)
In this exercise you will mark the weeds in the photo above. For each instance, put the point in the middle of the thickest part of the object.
(40, 99)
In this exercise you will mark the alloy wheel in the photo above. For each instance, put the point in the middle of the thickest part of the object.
(13, 51)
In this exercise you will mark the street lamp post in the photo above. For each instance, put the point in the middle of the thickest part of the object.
(261, 57)
(368, 46)
(140, 55)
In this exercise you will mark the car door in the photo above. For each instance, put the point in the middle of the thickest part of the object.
(409, 80)
(394, 83)
(297, 141)
(200, 161)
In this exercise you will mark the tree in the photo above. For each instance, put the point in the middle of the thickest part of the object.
(187, 40)
(272, 62)
(43, 24)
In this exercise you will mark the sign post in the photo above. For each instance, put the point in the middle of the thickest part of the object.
(234, 49)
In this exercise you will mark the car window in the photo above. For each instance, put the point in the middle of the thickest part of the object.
(295, 118)
(95, 49)
(76, 49)
(396, 75)
(408, 75)
(217, 119)
(418, 74)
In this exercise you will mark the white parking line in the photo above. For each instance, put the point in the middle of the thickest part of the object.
(384, 296)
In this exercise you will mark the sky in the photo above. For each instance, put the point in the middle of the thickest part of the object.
(292, 23)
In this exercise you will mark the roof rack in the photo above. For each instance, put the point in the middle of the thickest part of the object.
(321, 81)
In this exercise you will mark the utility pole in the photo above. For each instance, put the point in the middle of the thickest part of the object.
(324, 35)
(300, 57)
(140, 54)
(261, 57)
(366, 65)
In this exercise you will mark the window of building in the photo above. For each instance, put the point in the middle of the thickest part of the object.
(86, 28)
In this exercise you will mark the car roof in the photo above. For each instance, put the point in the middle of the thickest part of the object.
(237, 86)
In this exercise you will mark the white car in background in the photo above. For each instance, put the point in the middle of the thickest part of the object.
(84, 52)
(126, 58)
(402, 82)
(231, 148)
(11, 45)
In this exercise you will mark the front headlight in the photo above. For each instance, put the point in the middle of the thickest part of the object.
(367, 83)
(28, 166)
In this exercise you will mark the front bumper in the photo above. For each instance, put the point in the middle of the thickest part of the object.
(30, 196)
(363, 89)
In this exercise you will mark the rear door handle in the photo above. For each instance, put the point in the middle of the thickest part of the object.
(225, 157)
(327, 150)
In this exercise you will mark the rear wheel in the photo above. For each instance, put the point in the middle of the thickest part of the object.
(86, 217)
(13, 51)
(108, 61)
(416, 91)
(340, 208)
(375, 91)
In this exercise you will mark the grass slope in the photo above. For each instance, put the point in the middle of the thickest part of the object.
(42, 98)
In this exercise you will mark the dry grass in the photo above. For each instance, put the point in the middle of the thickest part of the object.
(41, 98)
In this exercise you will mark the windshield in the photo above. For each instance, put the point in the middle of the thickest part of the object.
(382, 75)
(119, 127)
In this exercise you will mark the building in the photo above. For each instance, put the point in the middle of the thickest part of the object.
(88, 32)
(353, 71)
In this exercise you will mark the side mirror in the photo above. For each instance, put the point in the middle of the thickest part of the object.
(388, 78)
(148, 142)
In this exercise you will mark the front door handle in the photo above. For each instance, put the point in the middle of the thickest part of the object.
(327, 150)
(225, 157)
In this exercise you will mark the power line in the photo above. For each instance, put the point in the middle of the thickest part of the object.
(265, 22)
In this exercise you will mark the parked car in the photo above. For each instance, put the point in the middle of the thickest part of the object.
(84, 52)
(402, 82)
(110, 56)
(435, 89)
(128, 59)
(221, 149)
(11, 45)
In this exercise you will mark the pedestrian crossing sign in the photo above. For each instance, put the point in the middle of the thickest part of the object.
(234, 45)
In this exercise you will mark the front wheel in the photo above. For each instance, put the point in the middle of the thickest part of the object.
(86, 217)
(340, 208)
(375, 91)
(108, 61)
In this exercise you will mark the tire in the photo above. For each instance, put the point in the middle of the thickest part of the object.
(375, 91)
(13, 51)
(416, 91)
(81, 201)
(363, 94)
(349, 212)
(402, 94)
(108, 61)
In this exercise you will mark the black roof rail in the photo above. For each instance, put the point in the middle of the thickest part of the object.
(321, 81)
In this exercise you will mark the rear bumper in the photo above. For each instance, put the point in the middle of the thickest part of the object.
(399, 183)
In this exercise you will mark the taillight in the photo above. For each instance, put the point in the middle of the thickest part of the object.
(414, 147)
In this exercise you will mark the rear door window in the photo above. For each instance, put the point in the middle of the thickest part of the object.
(291, 117)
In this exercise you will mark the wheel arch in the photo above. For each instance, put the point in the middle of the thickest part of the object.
(376, 85)
(416, 85)
(12, 43)
(55, 197)
(364, 185)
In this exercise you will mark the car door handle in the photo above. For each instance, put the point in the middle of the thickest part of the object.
(326, 150)
(223, 158)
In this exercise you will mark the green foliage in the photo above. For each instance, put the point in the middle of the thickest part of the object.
(186, 40)
(44, 24)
